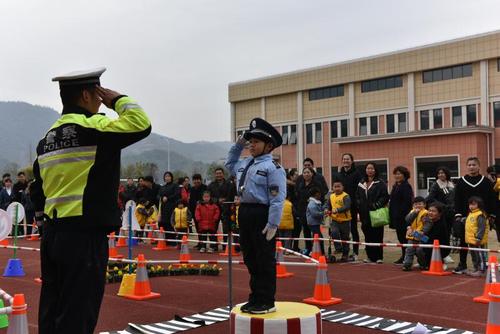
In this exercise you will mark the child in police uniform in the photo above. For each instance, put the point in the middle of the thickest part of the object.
(286, 225)
(476, 234)
(261, 185)
(338, 207)
(180, 220)
(415, 233)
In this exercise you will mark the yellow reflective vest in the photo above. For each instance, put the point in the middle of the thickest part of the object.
(337, 201)
(471, 227)
(287, 216)
(77, 170)
(180, 218)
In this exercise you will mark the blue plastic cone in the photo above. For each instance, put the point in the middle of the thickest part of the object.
(14, 268)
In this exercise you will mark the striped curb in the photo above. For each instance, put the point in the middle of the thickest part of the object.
(180, 324)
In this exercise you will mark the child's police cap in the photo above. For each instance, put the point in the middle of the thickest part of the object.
(78, 78)
(262, 130)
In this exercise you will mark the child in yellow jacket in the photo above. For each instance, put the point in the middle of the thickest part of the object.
(285, 228)
(416, 231)
(180, 219)
(145, 212)
(476, 234)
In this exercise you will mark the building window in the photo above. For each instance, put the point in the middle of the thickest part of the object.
(402, 122)
(334, 170)
(319, 170)
(334, 133)
(382, 83)
(344, 132)
(437, 115)
(326, 92)
(309, 133)
(293, 135)
(471, 115)
(391, 128)
(456, 116)
(284, 134)
(498, 64)
(424, 120)
(363, 129)
(447, 73)
(496, 114)
(373, 125)
(318, 138)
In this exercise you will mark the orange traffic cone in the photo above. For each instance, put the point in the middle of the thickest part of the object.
(233, 249)
(121, 240)
(281, 268)
(18, 322)
(316, 250)
(113, 252)
(436, 268)
(142, 289)
(162, 245)
(322, 292)
(184, 255)
(4, 242)
(34, 236)
(485, 298)
(220, 237)
(493, 324)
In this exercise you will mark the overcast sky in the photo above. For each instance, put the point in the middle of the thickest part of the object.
(177, 57)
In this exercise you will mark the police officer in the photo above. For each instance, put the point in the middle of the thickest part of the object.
(75, 193)
(261, 186)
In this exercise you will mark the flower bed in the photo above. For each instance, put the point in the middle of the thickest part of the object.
(115, 272)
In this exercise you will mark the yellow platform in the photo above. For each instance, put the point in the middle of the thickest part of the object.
(290, 317)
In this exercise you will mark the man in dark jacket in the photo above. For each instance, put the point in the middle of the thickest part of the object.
(472, 184)
(130, 190)
(350, 178)
(20, 187)
(222, 191)
(6, 194)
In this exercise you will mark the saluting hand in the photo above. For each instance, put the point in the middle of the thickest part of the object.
(107, 96)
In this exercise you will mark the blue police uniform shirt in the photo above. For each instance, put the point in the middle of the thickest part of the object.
(265, 181)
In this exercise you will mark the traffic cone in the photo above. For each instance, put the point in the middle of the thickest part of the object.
(4, 320)
(220, 237)
(493, 323)
(34, 236)
(184, 255)
(281, 268)
(142, 289)
(4, 242)
(18, 320)
(127, 285)
(113, 252)
(316, 250)
(121, 241)
(162, 245)
(14, 268)
(233, 249)
(485, 298)
(436, 268)
(322, 292)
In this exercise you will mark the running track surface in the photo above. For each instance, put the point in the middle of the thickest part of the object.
(369, 289)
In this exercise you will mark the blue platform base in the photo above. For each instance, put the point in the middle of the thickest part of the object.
(14, 268)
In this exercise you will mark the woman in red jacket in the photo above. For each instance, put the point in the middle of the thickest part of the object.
(207, 214)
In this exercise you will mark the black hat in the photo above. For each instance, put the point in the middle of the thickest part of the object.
(262, 130)
(78, 78)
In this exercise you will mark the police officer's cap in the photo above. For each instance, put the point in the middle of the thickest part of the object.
(79, 78)
(262, 130)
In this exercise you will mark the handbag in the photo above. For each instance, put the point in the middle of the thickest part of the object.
(379, 217)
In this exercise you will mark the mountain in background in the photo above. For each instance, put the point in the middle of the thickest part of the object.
(23, 124)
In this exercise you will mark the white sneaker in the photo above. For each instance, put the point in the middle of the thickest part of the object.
(210, 250)
(448, 260)
(202, 250)
(380, 261)
(445, 267)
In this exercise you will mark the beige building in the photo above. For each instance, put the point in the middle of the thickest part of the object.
(422, 107)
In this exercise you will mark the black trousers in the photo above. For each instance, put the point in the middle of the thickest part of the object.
(354, 231)
(401, 233)
(376, 235)
(73, 274)
(307, 231)
(258, 253)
